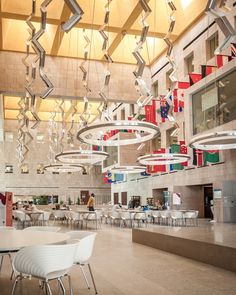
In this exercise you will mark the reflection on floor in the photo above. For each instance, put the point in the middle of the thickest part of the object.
(209, 243)
(122, 267)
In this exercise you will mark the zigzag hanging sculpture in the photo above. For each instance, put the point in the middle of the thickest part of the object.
(53, 137)
(102, 107)
(169, 43)
(30, 79)
(145, 95)
(219, 9)
(70, 134)
(76, 17)
(40, 50)
(85, 77)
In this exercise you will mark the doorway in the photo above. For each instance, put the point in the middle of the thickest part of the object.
(124, 198)
(208, 199)
(84, 197)
(116, 198)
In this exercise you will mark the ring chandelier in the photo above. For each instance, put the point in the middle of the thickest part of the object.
(61, 168)
(88, 157)
(94, 134)
(222, 140)
(128, 169)
(163, 159)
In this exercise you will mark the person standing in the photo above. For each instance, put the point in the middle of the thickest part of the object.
(91, 202)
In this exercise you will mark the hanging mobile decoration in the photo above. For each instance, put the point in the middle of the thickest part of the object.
(85, 79)
(101, 134)
(40, 50)
(53, 137)
(170, 59)
(219, 10)
(75, 18)
(145, 95)
(70, 134)
(102, 108)
(31, 78)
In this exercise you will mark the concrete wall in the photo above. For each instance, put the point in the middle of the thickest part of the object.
(64, 185)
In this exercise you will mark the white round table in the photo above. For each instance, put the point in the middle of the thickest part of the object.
(11, 240)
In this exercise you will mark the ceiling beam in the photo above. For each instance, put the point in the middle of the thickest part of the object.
(60, 33)
(127, 26)
(57, 22)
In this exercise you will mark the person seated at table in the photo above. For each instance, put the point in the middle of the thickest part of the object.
(32, 207)
(91, 202)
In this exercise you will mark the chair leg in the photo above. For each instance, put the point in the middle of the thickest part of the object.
(90, 270)
(14, 285)
(62, 286)
(86, 280)
(48, 288)
(1, 262)
(70, 285)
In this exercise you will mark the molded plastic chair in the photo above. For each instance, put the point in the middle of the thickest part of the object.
(191, 216)
(44, 228)
(176, 217)
(84, 251)
(95, 217)
(44, 218)
(116, 217)
(156, 215)
(47, 262)
(140, 217)
(126, 218)
(165, 216)
(76, 218)
(22, 218)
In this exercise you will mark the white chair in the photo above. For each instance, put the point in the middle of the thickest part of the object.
(84, 252)
(115, 217)
(126, 218)
(59, 215)
(44, 218)
(156, 215)
(165, 217)
(94, 217)
(191, 217)
(140, 217)
(75, 217)
(44, 228)
(176, 217)
(22, 218)
(46, 263)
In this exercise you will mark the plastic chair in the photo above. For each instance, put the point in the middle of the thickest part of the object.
(191, 216)
(165, 216)
(75, 217)
(176, 217)
(44, 228)
(84, 252)
(46, 263)
(156, 215)
(126, 218)
(95, 217)
(22, 218)
(44, 218)
(116, 217)
(140, 217)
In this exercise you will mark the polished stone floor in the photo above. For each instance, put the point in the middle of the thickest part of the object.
(122, 267)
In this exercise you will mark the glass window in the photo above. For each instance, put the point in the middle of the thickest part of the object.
(8, 168)
(40, 169)
(156, 143)
(215, 105)
(113, 156)
(189, 66)
(211, 44)
(171, 137)
(24, 169)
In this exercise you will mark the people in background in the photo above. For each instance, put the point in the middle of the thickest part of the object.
(91, 202)
(32, 207)
(159, 205)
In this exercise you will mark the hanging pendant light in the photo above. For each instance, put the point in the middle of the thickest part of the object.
(62, 168)
(163, 159)
(128, 169)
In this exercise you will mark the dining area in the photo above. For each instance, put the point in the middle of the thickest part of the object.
(44, 254)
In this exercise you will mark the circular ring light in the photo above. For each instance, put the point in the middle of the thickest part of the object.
(128, 169)
(60, 168)
(93, 134)
(163, 159)
(222, 140)
(86, 157)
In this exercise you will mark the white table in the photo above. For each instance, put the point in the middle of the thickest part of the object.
(11, 240)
